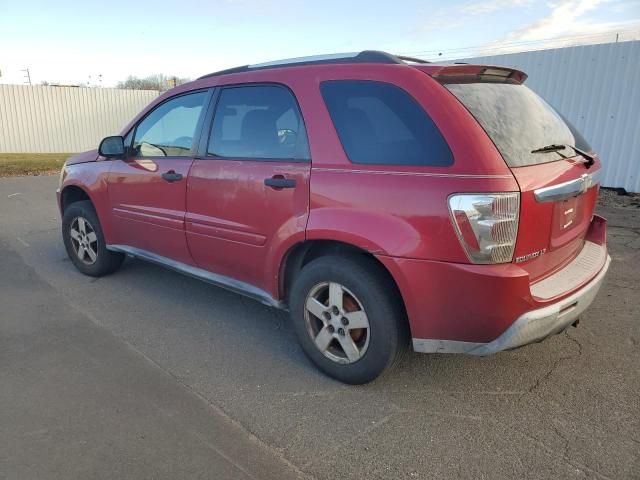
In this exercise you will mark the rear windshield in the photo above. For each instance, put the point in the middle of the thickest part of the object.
(518, 121)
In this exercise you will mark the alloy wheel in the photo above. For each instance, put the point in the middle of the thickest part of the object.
(337, 322)
(84, 240)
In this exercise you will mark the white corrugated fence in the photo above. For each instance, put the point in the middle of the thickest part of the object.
(42, 119)
(597, 87)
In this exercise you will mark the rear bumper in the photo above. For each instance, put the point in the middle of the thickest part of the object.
(530, 327)
(483, 309)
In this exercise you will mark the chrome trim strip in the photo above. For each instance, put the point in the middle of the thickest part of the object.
(530, 327)
(222, 281)
(569, 189)
(408, 174)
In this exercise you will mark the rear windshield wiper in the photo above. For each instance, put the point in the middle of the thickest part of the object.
(555, 147)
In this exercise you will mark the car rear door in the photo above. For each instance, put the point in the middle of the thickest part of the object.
(248, 193)
(147, 189)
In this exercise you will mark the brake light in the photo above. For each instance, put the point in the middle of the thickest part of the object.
(486, 224)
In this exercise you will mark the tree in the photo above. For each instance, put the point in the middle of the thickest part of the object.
(158, 82)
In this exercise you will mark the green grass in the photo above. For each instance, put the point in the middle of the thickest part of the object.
(19, 164)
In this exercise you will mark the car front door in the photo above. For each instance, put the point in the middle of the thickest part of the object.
(248, 195)
(147, 189)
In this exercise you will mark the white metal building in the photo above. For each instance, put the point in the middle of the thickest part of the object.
(43, 119)
(597, 87)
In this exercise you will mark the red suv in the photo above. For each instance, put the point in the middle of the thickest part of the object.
(378, 198)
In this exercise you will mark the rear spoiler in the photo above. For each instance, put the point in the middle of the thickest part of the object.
(465, 73)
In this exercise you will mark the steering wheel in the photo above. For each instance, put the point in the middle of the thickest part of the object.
(286, 136)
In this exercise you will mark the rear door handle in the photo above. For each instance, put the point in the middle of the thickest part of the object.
(171, 176)
(279, 182)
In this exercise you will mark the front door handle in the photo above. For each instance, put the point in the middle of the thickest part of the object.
(171, 176)
(279, 182)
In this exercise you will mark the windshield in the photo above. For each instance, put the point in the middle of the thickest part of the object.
(518, 121)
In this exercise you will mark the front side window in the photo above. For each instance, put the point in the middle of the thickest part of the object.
(258, 122)
(169, 130)
(379, 123)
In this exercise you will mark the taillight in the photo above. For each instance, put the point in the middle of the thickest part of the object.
(486, 224)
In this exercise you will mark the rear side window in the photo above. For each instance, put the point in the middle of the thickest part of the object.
(258, 122)
(379, 123)
(518, 121)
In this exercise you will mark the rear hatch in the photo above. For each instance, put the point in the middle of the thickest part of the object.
(558, 185)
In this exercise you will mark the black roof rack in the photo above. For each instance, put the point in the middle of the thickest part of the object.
(412, 59)
(366, 56)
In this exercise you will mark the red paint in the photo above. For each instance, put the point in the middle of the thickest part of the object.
(223, 218)
(146, 211)
(236, 226)
(541, 224)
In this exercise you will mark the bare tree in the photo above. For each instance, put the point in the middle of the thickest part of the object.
(152, 82)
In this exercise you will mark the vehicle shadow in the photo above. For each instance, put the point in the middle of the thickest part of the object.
(256, 335)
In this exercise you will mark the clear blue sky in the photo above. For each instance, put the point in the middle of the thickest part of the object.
(68, 41)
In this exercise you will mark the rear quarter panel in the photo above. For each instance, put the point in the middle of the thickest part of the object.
(389, 209)
(391, 213)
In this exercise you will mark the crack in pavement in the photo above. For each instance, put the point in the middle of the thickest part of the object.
(557, 363)
(557, 431)
(575, 341)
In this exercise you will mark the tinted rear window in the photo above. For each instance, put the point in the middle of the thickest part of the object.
(379, 123)
(518, 121)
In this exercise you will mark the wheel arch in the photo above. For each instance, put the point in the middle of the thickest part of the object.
(71, 194)
(306, 251)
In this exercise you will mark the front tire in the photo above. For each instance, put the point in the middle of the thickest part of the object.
(84, 241)
(348, 317)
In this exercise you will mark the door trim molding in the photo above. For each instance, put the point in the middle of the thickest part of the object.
(222, 281)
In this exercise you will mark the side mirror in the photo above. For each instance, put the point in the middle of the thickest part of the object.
(111, 147)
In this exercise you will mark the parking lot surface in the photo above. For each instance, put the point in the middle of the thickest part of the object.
(217, 385)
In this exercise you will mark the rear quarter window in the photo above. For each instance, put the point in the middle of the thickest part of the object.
(379, 123)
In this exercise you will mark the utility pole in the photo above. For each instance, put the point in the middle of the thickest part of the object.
(27, 75)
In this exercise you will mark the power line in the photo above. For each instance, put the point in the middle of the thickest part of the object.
(523, 43)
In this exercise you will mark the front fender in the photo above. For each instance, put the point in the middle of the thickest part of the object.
(92, 178)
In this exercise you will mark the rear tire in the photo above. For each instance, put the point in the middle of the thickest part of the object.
(84, 241)
(348, 317)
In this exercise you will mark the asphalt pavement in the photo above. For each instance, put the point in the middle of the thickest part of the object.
(149, 374)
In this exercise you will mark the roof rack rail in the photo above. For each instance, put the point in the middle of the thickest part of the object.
(366, 56)
(412, 59)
